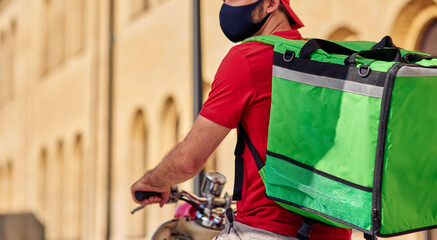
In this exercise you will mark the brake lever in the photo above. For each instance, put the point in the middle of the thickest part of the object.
(137, 209)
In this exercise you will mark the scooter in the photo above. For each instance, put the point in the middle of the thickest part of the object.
(200, 217)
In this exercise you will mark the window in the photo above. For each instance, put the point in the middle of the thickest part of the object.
(46, 41)
(139, 6)
(138, 164)
(170, 125)
(10, 181)
(76, 193)
(3, 183)
(6, 185)
(63, 31)
(427, 42)
(43, 182)
(11, 58)
(7, 58)
(1, 2)
(75, 27)
(60, 181)
(80, 27)
(3, 62)
(343, 34)
(59, 35)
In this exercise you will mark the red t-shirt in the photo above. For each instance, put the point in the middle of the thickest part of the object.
(241, 92)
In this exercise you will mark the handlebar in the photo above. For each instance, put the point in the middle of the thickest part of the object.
(198, 202)
(141, 196)
(210, 207)
(182, 195)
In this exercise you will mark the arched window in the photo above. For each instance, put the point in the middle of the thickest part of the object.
(139, 6)
(427, 42)
(76, 191)
(58, 209)
(6, 169)
(169, 132)
(75, 27)
(60, 17)
(138, 164)
(80, 11)
(7, 58)
(43, 183)
(45, 49)
(343, 34)
(404, 26)
(10, 181)
(54, 19)
(11, 58)
(170, 125)
(3, 184)
(3, 61)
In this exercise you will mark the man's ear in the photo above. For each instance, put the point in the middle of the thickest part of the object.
(272, 5)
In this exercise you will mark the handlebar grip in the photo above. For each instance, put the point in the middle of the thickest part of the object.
(141, 196)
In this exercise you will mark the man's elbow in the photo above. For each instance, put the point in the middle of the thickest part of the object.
(192, 165)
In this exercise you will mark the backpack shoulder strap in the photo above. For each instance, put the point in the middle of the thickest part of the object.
(242, 140)
(245, 136)
(267, 39)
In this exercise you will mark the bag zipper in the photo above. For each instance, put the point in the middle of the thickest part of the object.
(379, 161)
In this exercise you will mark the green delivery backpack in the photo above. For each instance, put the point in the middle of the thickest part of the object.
(352, 137)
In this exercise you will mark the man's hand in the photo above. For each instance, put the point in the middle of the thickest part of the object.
(183, 162)
(142, 185)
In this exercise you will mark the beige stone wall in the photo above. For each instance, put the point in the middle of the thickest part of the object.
(54, 71)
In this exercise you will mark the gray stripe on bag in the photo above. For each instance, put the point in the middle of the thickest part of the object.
(407, 71)
(327, 82)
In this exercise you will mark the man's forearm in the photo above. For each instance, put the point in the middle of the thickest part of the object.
(189, 156)
(174, 168)
(183, 162)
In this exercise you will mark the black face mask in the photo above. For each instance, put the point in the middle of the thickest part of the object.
(236, 22)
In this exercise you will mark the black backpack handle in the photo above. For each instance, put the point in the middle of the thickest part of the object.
(331, 47)
(387, 54)
(327, 46)
(386, 42)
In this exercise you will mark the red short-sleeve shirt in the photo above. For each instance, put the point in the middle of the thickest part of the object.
(241, 92)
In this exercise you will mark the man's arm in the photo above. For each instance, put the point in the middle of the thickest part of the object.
(183, 162)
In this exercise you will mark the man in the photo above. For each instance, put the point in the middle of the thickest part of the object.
(240, 94)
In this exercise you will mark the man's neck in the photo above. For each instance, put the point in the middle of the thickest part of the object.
(277, 22)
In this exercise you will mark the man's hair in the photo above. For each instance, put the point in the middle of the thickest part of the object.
(284, 10)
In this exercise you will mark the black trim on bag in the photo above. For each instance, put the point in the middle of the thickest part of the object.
(407, 232)
(380, 148)
(332, 70)
(318, 213)
(324, 174)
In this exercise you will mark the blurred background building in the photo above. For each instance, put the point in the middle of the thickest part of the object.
(94, 92)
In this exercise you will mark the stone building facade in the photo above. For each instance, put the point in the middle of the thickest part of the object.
(74, 75)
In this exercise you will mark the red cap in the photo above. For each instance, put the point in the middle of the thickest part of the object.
(293, 15)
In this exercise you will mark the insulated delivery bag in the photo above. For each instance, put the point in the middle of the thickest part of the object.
(353, 134)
